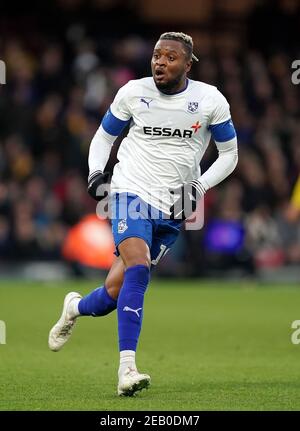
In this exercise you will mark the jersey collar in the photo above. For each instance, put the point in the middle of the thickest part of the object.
(178, 92)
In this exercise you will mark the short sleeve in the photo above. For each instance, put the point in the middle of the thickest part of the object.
(220, 109)
(120, 106)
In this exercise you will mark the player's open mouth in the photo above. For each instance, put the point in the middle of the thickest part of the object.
(159, 74)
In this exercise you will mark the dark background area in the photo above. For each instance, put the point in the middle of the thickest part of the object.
(65, 61)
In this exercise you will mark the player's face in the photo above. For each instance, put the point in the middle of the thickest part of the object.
(170, 65)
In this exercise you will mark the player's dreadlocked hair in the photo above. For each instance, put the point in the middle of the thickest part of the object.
(185, 39)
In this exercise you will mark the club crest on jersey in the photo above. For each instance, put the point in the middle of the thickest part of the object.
(193, 107)
(122, 226)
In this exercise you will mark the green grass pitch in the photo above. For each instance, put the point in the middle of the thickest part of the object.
(207, 346)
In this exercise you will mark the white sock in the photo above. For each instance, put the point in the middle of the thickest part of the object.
(127, 359)
(73, 308)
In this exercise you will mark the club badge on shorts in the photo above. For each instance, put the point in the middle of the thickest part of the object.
(122, 226)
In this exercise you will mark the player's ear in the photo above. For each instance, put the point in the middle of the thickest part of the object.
(188, 66)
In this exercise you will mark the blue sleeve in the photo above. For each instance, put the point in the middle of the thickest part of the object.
(112, 124)
(223, 132)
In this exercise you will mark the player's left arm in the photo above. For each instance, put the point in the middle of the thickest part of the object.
(224, 136)
(225, 139)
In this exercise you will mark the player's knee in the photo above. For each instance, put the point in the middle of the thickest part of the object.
(135, 251)
(138, 260)
(112, 289)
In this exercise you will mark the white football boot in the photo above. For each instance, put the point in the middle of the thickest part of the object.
(132, 381)
(62, 330)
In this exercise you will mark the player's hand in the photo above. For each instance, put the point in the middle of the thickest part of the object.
(186, 199)
(96, 180)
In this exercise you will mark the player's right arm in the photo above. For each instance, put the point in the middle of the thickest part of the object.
(113, 123)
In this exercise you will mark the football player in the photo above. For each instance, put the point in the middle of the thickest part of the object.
(155, 186)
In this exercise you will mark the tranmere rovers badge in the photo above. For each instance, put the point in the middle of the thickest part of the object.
(193, 107)
(122, 226)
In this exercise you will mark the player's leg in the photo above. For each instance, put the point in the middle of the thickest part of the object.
(102, 300)
(165, 236)
(138, 258)
(115, 277)
(135, 254)
(99, 302)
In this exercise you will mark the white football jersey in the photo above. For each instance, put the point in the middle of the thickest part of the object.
(167, 139)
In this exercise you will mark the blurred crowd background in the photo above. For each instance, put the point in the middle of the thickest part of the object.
(65, 61)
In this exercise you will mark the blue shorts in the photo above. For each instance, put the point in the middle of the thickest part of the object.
(133, 217)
